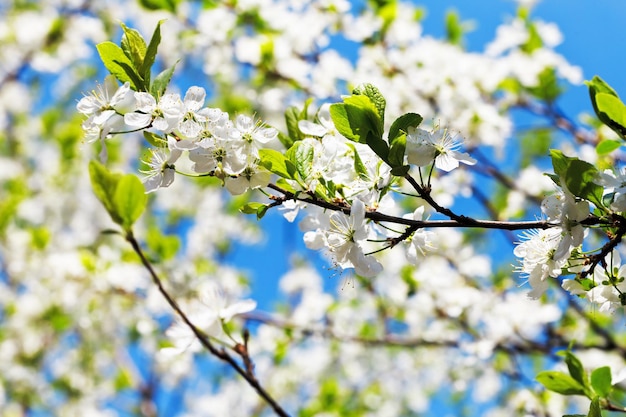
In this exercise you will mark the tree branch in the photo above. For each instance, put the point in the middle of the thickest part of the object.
(203, 338)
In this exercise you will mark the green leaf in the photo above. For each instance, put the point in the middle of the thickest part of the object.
(607, 146)
(547, 88)
(357, 118)
(580, 180)
(560, 382)
(118, 64)
(154, 139)
(598, 85)
(400, 171)
(301, 155)
(379, 146)
(260, 213)
(599, 89)
(612, 112)
(134, 47)
(375, 96)
(161, 81)
(560, 162)
(255, 208)
(601, 381)
(454, 28)
(396, 151)
(292, 117)
(359, 166)
(250, 208)
(534, 41)
(285, 185)
(339, 115)
(129, 200)
(104, 185)
(150, 53)
(594, 408)
(123, 380)
(402, 124)
(578, 176)
(274, 161)
(575, 367)
(168, 5)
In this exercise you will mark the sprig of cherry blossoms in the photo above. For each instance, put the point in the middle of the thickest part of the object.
(341, 170)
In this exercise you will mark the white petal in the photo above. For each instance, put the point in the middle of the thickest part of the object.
(312, 129)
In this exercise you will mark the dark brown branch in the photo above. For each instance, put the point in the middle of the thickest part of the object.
(458, 221)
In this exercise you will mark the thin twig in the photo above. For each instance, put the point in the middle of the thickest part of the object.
(203, 338)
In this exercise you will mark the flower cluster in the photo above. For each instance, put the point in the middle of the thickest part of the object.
(215, 144)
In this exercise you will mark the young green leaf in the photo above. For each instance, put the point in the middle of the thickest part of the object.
(575, 367)
(375, 96)
(154, 139)
(396, 151)
(129, 200)
(359, 166)
(612, 112)
(150, 53)
(123, 380)
(560, 382)
(118, 64)
(454, 28)
(104, 184)
(601, 381)
(607, 105)
(339, 116)
(277, 163)
(402, 124)
(560, 162)
(301, 155)
(580, 180)
(168, 5)
(292, 117)
(134, 47)
(379, 146)
(357, 118)
(161, 81)
(607, 146)
(578, 176)
(254, 208)
(594, 408)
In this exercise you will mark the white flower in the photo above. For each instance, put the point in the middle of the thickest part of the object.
(218, 150)
(421, 240)
(184, 339)
(108, 99)
(610, 284)
(537, 251)
(105, 108)
(207, 316)
(563, 209)
(190, 125)
(423, 147)
(253, 135)
(216, 301)
(162, 171)
(251, 177)
(616, 182)
(343, 237)
(164, 115)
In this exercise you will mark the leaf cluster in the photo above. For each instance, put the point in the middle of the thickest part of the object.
(133, 59)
